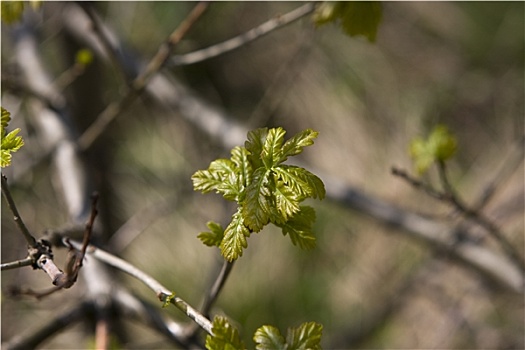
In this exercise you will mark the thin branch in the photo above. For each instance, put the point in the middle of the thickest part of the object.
(137, 86)
(449, 196)
(104, 37)
(163, 293)
(509, 165)
(18, 263)
(243, 39)
(31, 241)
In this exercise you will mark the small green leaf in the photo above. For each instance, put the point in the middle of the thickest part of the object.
(299, 228)
(440, 146)
(356, 17)
(442, 143)
(256, 206)
(296, 144)
(10, 142)
(6, 117)
(214, 236)
(301, 181)
(286, 201)
(272, 152)
(244, 169)
(225, 336)
(306, 336)
(84, 57)
(254, 146)
(234, 240)
(269, 337)
(168, 300)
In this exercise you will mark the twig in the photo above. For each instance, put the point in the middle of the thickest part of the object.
(243, 39)
(18, 263)
(510, 164)
(31, 241)
(137, 86)
(111, 50)
(162, 292)
(449, 196)
(64, 280)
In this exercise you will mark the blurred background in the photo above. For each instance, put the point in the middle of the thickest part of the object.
(371, 286)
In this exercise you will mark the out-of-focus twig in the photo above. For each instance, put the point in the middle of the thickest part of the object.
(138, 84)
(450, 196)
(242, 39)
(31, 241)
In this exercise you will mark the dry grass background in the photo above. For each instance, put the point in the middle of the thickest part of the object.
(455, 63)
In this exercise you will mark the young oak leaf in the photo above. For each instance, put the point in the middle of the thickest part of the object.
(272, 149)
(296, 144)
(256, 205)
(10, 142)
(234, 239)
(286, 200)
(306, 336)
(214, 236)
(244, 169)
(439, 146)
(301, 181)
(299, 228)
(269, 337)
(225, 336)
(254, 146)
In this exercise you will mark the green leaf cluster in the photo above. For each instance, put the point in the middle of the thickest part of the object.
(439, 146)
(226, 337)
(355, 17)
(265, 189)
(10, 142)
(306, 336)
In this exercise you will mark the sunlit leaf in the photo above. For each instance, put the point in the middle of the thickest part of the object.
(214, 236)
(255, 208)
(286, 200)
(296, 144)
(225, 336)
(254, 146)
(244, 169)
(234, 240)
(10, 142)
(272, 149)
(269, 337)
(306, 336)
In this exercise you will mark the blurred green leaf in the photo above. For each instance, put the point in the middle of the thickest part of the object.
(306, 336)
(356, 17)
(299, 228)
(269, 337)
(440, 146)
(84, 57)
(225, 336)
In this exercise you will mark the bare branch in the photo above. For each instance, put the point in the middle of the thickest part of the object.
(18, 263)
(137, 86)
(162, 292)
(243, 39)
(31, 241)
